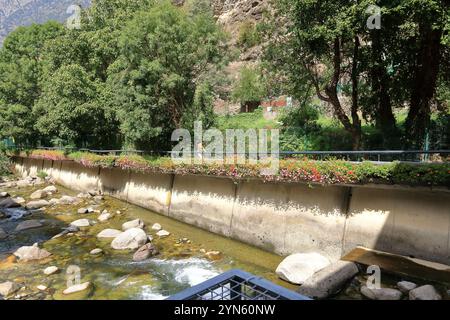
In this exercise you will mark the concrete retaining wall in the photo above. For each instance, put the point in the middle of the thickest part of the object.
(279, 217)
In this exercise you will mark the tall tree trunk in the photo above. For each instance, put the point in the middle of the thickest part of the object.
(356, 122)
(424, 84)
(384, 116)
(331, 96)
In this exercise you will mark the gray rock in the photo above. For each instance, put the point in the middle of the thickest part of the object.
(96, 252)
(4, 195)
(381, 294)
(298, 267)
(50, 189)
(38, 204)
(145, 252)
(427, 292)
(109, 233)
(77, 288)
(51, 270)
(329, 280)
(8, 288)
(406, 286)
(28, 224)
(131, 239)
(133, 224)
(67, 200)
(3, 234)
(30, 253)
(81, 223)
(99, 198)
(93, 193)
(163, 233)
(105, 216)
(39, 194)
(19, 200)
(156, 227)
(9, 203)
(82, 211)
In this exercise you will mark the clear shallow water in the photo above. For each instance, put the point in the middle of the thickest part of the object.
(113, 274)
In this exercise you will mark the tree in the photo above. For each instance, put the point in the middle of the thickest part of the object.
(68, 109)
(163, 53)
(249, 90)
(21, 70)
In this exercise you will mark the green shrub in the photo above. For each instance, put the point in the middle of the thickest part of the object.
(248, 35)
(42, 174)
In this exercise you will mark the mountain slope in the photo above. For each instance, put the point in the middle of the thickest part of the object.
(14, 13)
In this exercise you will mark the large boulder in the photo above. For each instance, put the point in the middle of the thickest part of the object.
(9, 203)
(138, 223)
(427, 292)
(130, 240)
(300, 266)
(109, 233)
(8, 288)
(39, 194)
(381, 293)
(38, 204)
(28, 224)
(30, 253)
(329, 280)
(145, 252)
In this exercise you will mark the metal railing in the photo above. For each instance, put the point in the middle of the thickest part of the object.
(237, 285)
(362, 155)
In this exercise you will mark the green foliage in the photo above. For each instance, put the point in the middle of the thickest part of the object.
(5, 165)
(249, 87)
(251, 120)
(42, 174)
(248, 35)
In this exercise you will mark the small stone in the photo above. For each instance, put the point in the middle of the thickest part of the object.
(9, 203)
(406, 286)
(77, 288)
(109, 233)
(81, 223)
(214, 255)
(99, 198)
(53, 202)
(82, 211)
(8, 288)
(381, 294)
(51, 270)
(28, 224)
(138, 223)
(427, 292)
(83, 195)
(118, 212)
(163, 233)
(104, 217)
(145, 252)
(156, 227)
(96, 252)
(93, 193)
(4, 194)
(41, 287)
(19, 200)
(67, 200)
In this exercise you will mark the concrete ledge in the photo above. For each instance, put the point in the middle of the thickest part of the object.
(283, 218)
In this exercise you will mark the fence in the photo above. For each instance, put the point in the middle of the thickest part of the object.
(237, 285)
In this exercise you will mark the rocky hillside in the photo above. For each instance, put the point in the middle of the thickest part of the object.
(14, 13)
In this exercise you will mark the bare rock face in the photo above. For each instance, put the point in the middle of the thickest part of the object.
(31, 253)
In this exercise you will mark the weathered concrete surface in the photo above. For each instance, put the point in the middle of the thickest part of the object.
(287, 218)
(204, 202)
(114, 182)
(403, 222)
(279, 217)
(47, 167)
(152, 191)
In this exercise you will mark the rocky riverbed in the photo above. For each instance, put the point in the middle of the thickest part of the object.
(59, 244)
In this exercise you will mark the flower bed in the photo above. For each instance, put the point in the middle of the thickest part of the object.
(291, 170)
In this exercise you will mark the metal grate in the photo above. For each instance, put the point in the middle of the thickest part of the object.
(237, 285)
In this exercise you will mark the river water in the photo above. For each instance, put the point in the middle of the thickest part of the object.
(114, 275)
